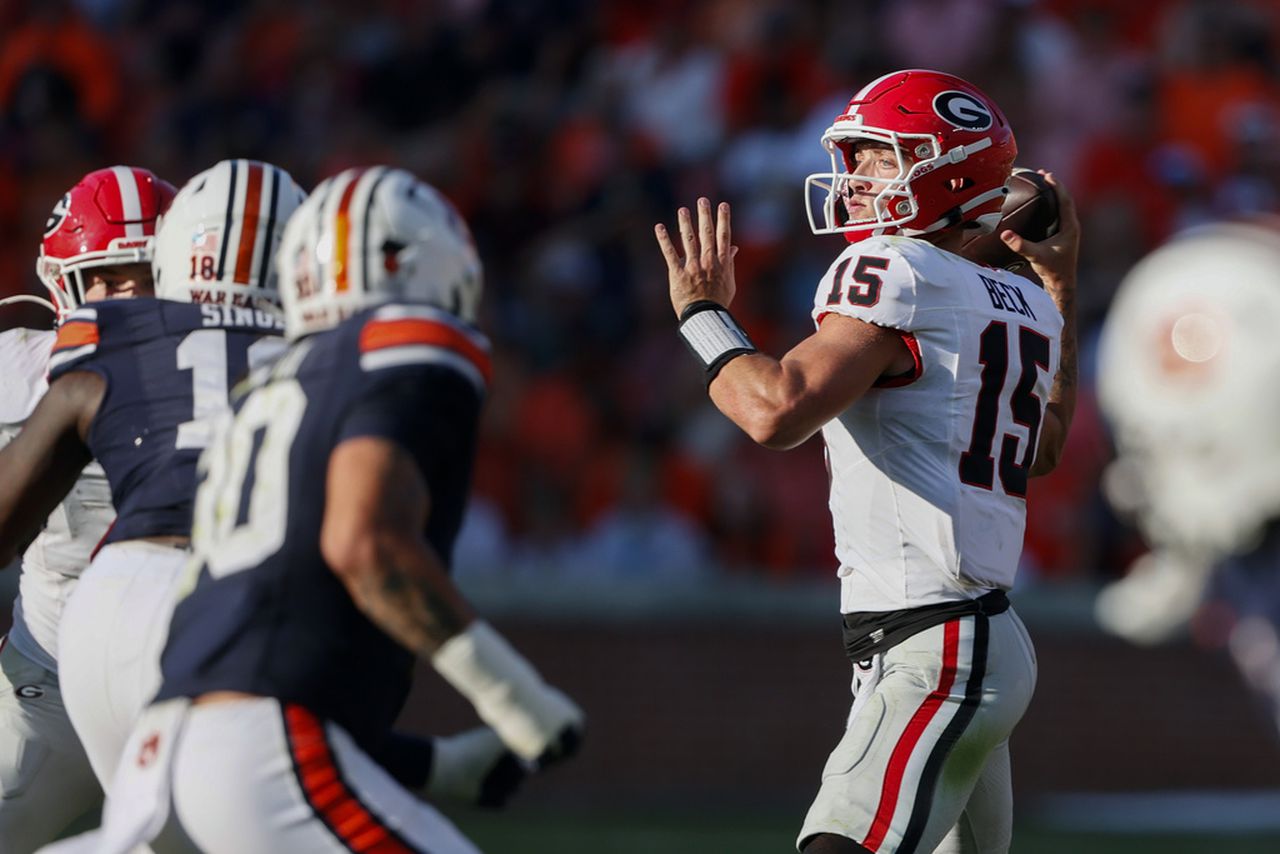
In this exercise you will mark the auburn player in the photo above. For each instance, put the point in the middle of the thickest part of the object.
(939, 387)
(133, 384)
(97, 245)
(322, 537)
(1187, 381)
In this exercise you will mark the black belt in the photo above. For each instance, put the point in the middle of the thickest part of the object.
(867, 633)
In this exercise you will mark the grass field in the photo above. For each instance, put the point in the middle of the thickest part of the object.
(526, 832)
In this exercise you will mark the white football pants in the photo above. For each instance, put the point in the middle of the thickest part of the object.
(45, 779)
(113, 630)
(924, 762)
(257, 776)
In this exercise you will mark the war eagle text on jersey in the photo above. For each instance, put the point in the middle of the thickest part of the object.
(167, 367)
(940, 456)
(267, 616)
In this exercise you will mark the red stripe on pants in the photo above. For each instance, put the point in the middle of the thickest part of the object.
(910, 737)
(322, 785)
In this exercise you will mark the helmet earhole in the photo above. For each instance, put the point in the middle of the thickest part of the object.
(923, 150)
(903, 208)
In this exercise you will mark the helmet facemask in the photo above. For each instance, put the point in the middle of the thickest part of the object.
(64, 279)
(895, 205)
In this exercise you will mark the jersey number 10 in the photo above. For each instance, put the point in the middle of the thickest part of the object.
(977, 466)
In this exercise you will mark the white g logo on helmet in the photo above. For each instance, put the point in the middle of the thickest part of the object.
(58, 215)
(962, 110)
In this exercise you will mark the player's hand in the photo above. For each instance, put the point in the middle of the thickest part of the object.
(474, 767)
(1054, 259)
(537, 722)
(705, 272)
(563, 746)
(545, 727)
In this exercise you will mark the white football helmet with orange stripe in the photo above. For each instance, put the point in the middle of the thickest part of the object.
(371, 236)
(217, 242)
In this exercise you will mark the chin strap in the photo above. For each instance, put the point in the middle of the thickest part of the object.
(954, 215)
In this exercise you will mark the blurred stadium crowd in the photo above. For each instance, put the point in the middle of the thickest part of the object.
(565, 128)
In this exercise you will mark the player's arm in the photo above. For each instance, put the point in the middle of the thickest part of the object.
(778, 402)
(375, 512)
(1062, 398)
(40, 466)
(376, 509)
(782, 402)
(1054, 261)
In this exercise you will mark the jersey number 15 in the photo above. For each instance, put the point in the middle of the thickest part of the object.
(977, 465)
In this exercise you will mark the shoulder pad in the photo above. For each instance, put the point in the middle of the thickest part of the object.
(398, 335)
(77, 340)
(870, 280)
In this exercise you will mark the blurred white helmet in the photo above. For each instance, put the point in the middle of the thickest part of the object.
(1187, 375)
(370, 236)
(217, 242)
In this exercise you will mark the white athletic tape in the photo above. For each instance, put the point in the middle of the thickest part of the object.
(508, 694)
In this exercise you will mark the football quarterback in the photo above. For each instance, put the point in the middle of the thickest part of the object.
(939, 387)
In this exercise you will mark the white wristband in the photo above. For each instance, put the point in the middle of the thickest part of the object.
(713, 335)
(508, 694)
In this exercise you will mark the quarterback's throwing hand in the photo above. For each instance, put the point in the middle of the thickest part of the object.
(1054, 259)
(706, 270)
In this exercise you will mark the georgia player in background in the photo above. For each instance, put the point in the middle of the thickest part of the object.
(940, 387)
(97, 245)
(134, 384)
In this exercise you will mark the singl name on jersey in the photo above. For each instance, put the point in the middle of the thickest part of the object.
(234, 315)
(1007, 297)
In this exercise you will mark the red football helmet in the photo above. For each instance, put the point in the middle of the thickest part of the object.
(954, 148)
(108, 218)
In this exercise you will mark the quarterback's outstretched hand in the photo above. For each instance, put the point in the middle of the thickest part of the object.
(706, 270)
(1054, 259)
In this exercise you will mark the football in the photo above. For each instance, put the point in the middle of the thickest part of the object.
(1031, 210)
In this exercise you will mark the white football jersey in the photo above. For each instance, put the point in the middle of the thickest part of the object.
(929, 471)
(60, 553)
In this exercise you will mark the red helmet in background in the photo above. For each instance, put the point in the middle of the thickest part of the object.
(108, 218)
(954, 148)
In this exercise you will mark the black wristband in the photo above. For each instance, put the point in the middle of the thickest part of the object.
(713, 336)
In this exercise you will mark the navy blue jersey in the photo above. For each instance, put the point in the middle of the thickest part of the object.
(267, 616)
(168, 367)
